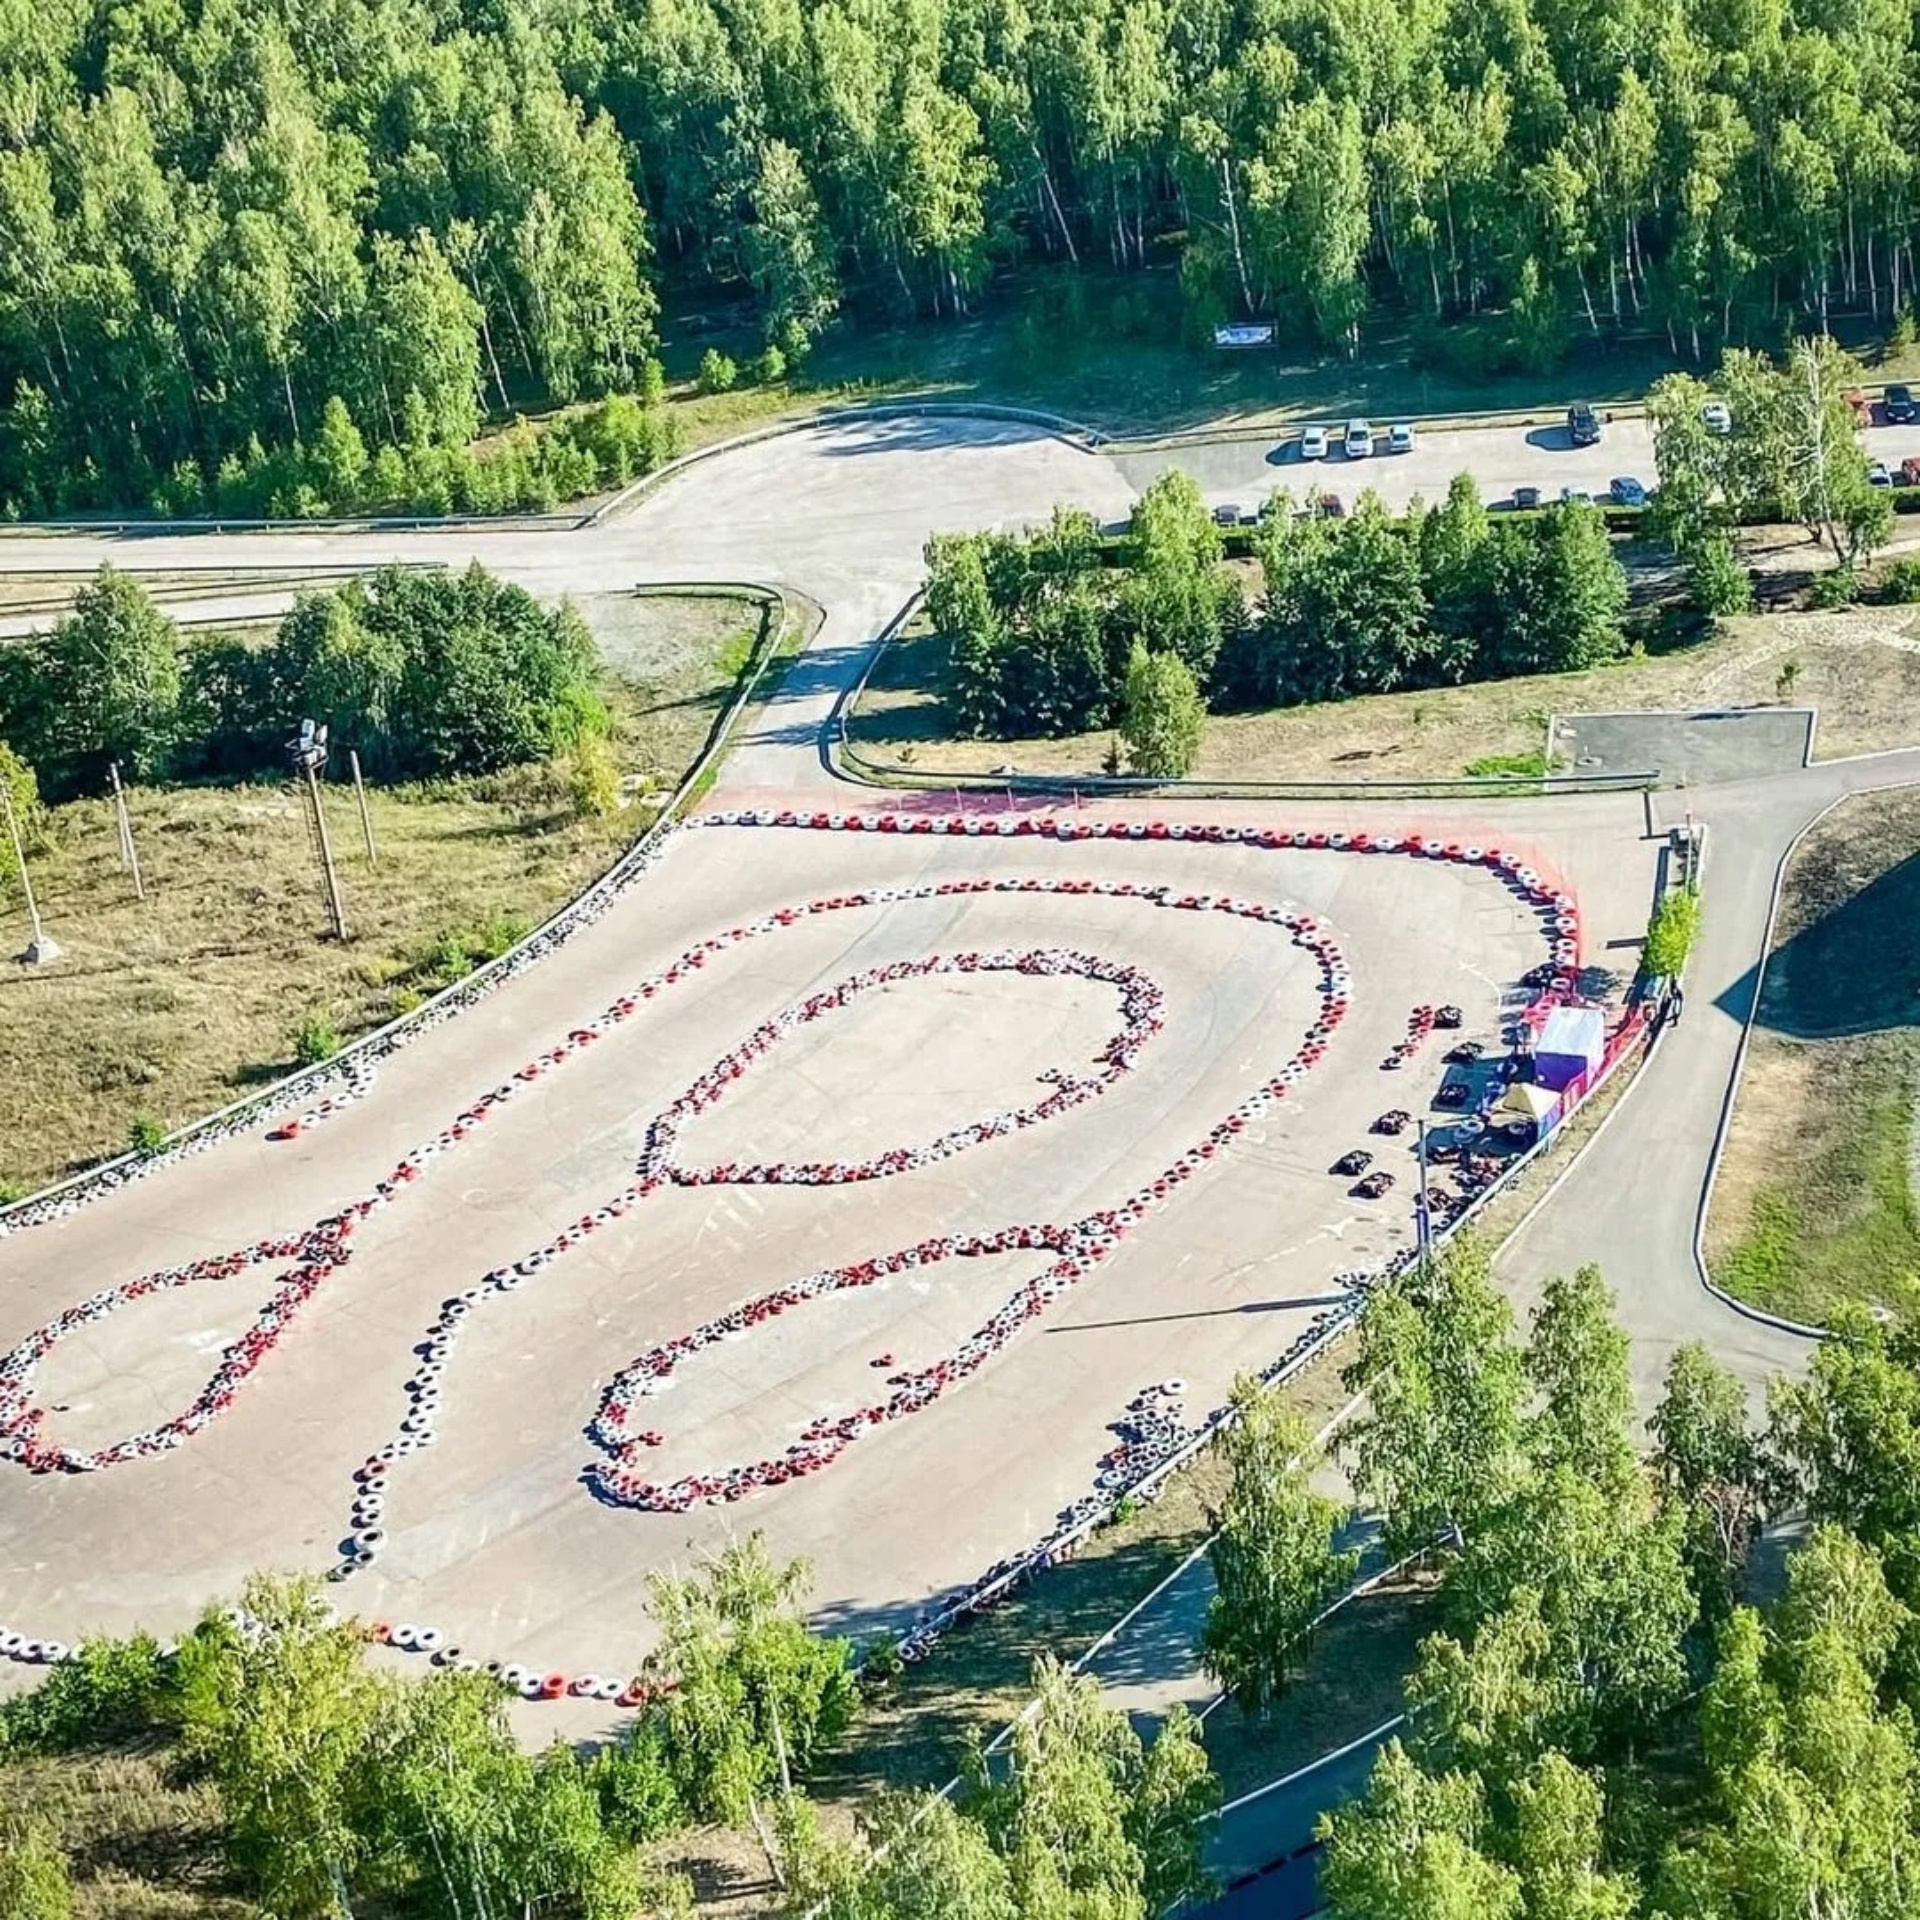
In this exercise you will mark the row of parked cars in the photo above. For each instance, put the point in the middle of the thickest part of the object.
(1359, 442)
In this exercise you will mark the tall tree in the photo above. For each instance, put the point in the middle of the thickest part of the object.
(1275, 1566)
(755, 1692)
(1439, 1446)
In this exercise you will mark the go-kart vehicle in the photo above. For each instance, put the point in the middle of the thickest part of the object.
(1374, 1186)
(1453, 1094)
(1394, 1120)
(1448, 1017)
(1465, 1053)
(1349, 1164)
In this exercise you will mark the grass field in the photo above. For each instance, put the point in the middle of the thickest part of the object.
(1815, 1202)
(176, 1005)
(1860, 667)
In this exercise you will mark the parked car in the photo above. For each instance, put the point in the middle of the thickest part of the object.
(1583, 425)
(1226, 516)
(1400, 437)
(1525, 498)
(1313, 444)
(1576, 496)
(1359, 440)
(1628, 492)
(1717, 417)
(1900, 406)
(1878, 474)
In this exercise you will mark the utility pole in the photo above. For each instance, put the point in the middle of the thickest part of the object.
(1423, 1218)
(360, 794)
(129, 856)
(309, 756)
(41, 948)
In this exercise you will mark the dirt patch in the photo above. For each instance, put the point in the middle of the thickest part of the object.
(1860, 667)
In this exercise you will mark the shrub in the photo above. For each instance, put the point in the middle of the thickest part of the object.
(1670, 934)
(1900, 584)
(634, 1782)
(146, 1136)
(1836, 587)
(1507, 766)
(315, 1039)
(771, 366)
(717, 374)
(1717, 580)
(110, 1691)
(593, 780)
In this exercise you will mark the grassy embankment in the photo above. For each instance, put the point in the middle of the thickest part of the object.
(1815, 1202)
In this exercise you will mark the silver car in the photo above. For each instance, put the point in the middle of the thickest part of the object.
(1313, 444)
(1359, 440)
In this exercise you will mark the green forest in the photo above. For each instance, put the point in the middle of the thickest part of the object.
(216, 219)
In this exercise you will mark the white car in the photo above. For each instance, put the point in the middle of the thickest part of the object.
(1878, 474)
(1359, 440)
(1717, 417)
(1313, 444)
(1576, 497)
(1400, 437)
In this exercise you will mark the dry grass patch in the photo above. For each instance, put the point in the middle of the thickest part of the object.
(177, 1005)
(141, 1845)
(1354, 1682)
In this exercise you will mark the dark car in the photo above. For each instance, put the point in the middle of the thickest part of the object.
(1526, 498)
(1225, 516)
(1583, 425)
(1900, 406)
(1349, 1164)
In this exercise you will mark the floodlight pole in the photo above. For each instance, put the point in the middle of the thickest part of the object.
(129, 856)
(41, 949)
(336, 912)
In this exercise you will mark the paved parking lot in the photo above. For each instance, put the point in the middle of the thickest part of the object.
(1686, 749)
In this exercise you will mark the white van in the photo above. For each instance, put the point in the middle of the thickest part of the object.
(1359, 440)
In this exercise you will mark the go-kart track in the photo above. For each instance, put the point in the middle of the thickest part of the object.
(845, 1174)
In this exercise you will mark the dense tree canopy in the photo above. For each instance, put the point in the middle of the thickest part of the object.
(215, 218)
